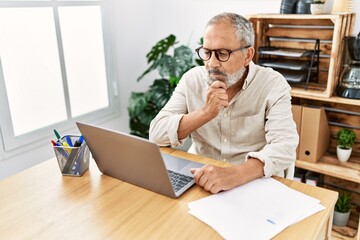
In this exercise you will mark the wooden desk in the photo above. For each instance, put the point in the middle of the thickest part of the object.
(40, 203)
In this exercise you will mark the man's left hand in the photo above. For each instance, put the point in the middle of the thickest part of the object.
(214, 179)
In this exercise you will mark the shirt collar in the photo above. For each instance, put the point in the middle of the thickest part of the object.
(250, 75)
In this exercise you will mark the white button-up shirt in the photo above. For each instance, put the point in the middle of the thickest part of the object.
(257, 123)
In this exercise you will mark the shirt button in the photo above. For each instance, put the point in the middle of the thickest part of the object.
(225, 140)
(224, 160)
(225, 114)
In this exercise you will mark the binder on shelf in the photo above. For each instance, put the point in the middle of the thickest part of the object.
(313, 178)
(299, 174)
(296, 111)
(315, 134)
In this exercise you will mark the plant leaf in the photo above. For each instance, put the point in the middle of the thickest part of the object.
(137, 104)
(157, 52)
(161, 48)
(176, 66)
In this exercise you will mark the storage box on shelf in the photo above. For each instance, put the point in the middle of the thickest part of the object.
(316, 150)
(300, 32)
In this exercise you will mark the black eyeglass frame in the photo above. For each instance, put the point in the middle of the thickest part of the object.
(217, 54)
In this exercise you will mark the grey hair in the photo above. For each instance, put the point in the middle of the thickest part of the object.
(243, 28)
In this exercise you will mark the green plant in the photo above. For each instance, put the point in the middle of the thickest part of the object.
(343, 204)
(345, 138)
(144, 106)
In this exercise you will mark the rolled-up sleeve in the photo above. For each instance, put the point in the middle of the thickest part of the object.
(280, 133)
(164, 127)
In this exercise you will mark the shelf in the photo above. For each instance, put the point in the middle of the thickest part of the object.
(343, 233)
(314, 95)
(293, 76)
(296, 65)
(285, 52)
(296, 16)
(329, 165)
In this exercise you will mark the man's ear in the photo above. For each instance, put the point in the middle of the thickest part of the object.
(249, 55)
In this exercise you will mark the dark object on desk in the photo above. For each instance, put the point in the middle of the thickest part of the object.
(349, 86)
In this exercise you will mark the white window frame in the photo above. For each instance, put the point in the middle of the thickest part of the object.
(11, 144)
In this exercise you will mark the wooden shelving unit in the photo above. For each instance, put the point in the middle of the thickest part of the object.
(282, 31)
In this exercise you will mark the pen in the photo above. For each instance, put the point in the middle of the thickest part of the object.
(57, 135)
(66, 147)
(79, 141)
(53, 143)
(68, 140)
(76, 165)
(60, 148)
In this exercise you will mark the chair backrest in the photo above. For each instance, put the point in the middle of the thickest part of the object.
(289, 172)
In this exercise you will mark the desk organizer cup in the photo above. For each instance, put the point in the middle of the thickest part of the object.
(73, 161)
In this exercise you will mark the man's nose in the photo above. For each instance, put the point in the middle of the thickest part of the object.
(213, 61)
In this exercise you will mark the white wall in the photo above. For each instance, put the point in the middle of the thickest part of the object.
(135, 26)
(356, 9)
(187, 18)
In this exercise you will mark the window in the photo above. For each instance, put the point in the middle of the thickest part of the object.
(53, 68)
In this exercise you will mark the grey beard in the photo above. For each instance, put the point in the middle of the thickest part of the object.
(230, 79)
(234, 78)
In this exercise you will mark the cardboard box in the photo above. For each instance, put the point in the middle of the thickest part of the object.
(297, 111)
(315, 134)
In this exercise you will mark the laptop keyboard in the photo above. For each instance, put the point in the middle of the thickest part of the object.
(179, 180)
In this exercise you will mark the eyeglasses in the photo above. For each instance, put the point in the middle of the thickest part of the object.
(221, 54)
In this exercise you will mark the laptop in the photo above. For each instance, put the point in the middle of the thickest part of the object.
(138, 161)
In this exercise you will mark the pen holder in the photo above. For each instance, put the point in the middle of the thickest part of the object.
(73, 161)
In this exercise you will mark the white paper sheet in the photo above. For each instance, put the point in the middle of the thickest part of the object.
(257, 210)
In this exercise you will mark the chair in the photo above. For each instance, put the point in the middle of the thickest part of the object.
(290, 171)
